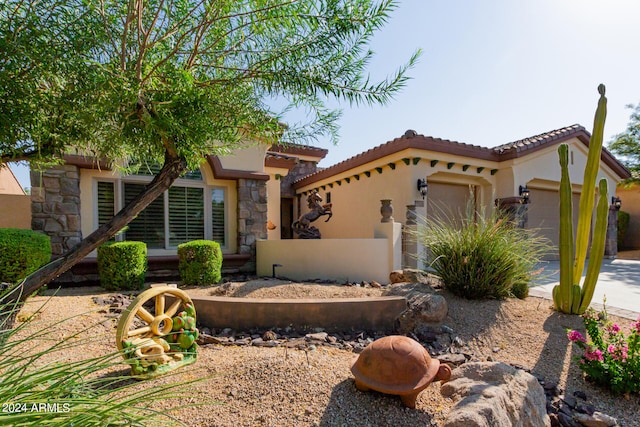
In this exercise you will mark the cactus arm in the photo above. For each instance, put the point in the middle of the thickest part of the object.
(565, 292)
(587, 197)
(597, 247)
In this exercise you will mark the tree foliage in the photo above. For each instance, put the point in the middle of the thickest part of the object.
(174, 80)
(627, 144)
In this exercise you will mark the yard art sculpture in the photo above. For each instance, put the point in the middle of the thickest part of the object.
(302, 226)
(568, 296)
(153, 344)
(398, 365)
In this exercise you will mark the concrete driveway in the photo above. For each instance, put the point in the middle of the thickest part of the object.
(619, 283)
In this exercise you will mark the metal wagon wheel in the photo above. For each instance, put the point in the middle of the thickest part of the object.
(158, 324)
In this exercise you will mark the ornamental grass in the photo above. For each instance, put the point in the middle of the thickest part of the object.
(482, 256)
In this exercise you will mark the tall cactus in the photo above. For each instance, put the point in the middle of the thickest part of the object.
(568, 296)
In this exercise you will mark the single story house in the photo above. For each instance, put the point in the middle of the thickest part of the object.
(258, 192)
(433, 177)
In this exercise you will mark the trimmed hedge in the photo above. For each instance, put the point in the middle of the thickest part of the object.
(200, 262)
(21, 253)
(122, 265)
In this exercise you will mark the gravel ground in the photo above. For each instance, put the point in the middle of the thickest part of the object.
(251, 386)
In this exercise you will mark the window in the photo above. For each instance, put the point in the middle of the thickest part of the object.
(217, 216)
(189, 210)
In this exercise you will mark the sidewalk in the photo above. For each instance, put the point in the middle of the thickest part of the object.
(619, 282)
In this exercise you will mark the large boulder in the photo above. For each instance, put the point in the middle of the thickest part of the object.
(495, 395)
(423, 309)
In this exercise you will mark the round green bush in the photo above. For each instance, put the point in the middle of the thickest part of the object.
(122, 265)
(21, 253)
(520, 290)
(200, 262)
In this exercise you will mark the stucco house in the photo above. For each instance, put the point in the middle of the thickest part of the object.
(256, 193)
(446, 171)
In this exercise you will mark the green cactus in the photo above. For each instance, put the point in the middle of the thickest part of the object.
(568, 296)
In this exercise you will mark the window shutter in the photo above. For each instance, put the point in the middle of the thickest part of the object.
(106, 201)
(186, 214)
(217, 215)
(148, 226)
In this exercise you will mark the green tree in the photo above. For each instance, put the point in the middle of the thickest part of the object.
(173, 80)
(627, 144)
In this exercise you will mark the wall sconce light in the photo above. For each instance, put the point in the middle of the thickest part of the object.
(524, 193)
(422, 187)
(616, 202)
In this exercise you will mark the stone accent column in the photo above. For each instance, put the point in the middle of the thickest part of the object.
(611, 242)
(55, 206)
(515, 208)
(252, 218)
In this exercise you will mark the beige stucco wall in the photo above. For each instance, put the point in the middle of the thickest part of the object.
(342, 260)
(15, 211)
(249, 158)
(273, 200)
(89, 219)
(8, 182)
(543, 168)
(356, 204)
(631, 204)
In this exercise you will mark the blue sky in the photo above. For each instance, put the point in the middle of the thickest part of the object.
(495, 71)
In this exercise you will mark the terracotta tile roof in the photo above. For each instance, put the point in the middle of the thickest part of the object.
(411, 139)
(278, 160)
(542, 139)
(300, 149)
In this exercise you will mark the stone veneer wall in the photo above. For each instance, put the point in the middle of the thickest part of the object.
(252, 218)
(55, 206)
(301, 169)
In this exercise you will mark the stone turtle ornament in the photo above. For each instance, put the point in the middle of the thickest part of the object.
(398, 365)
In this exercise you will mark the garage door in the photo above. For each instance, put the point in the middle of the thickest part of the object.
(447, 201)
(544, 214)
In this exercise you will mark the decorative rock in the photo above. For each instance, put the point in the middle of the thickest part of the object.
(598, 419)
(495, 394)
(397, 276)
(318, 336)
(422, 309)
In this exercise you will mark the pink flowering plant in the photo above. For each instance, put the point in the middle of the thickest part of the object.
(611, 355)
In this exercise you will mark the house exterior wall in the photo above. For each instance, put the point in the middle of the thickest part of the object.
(631, 204)
(356, 193)
(55, 206)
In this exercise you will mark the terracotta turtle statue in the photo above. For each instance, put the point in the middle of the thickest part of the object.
(397, 365)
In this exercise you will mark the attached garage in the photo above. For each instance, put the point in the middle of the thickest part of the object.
(448, 200)
(544, 214)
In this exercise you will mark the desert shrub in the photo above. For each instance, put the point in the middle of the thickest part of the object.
(122, 265)
(623, 226)
(611, 355)
(21, 253)
(482, 256)
(200, 262)
(520, 290)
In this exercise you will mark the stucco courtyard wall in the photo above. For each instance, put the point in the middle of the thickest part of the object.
(342, 260)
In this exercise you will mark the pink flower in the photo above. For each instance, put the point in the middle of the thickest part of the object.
(575, 336)
(611, 349)
(613, 329)
(594, 355)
